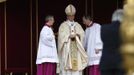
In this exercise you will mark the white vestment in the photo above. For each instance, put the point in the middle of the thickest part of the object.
(47, 51)
(73, 58)
(93, 41)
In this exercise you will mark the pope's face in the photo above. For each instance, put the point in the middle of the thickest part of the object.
(71, 17)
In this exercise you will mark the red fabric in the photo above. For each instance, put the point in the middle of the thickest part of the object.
(93, 70)
(46, 69)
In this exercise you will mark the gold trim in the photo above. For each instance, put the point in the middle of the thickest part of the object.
(31, 37)
(5, 21)
(36, 23)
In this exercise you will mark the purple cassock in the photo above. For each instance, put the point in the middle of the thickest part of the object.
(46, 69)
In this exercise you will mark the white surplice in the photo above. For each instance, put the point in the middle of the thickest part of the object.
(47, 51)
(93, 41)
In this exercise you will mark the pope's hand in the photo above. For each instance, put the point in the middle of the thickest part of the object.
(72, 36)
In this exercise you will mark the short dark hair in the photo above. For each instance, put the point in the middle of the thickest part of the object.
(48, 17)
(87, 17)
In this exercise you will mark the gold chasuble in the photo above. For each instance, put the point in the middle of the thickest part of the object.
(71, 52)
(74, 54)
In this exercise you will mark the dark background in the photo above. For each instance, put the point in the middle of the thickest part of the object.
(24, 20)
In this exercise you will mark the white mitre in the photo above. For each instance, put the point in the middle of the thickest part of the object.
(70, 10)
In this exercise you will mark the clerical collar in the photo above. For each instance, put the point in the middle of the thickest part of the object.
(71, 23)
(91, 24)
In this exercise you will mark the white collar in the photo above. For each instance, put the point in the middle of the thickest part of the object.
(70, 23)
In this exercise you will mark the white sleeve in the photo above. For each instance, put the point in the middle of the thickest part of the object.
(99, 43)
(47, 37)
